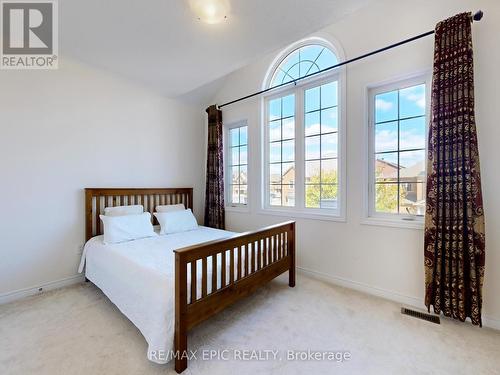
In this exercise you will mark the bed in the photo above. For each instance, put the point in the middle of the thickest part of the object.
(168, 284)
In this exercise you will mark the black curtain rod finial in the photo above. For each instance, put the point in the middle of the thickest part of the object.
(478, 15)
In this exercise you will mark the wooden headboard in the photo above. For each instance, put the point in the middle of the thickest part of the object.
(96, 199)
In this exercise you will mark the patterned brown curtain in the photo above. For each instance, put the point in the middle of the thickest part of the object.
(454, 223)
(214, 193)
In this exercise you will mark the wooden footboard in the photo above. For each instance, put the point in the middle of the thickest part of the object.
(239, 266)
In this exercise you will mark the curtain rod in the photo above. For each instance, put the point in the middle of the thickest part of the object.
(476, 17)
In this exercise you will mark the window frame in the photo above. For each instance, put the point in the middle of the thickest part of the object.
(298, 89)
(371, 215)
(229, 205)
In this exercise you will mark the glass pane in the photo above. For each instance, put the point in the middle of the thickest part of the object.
(386, 106)
(386, 198)
(329, 171)
(243, 174)
(235, 195)
(313, 195)
(326, 59)
(275, 130)
(243, 155)
(412, 101)
(279, 75)
(275, 195)
(329, 121)
(386, 137)
(243, 194)
(412, 133)
(274, 109)
(288, 194)
(235, 175)
(288, 172)
(386, 167)
(235, 156)
(412, 199)
(329, 95)
(234, 136)
(312, 148)
(328, 196)
(310, 54)
(313, 69)
(412, 166)
(288, 106)
(312, 172)
(275, 173)
(289, 128)
(275, 153)
(290, 61)
(288, 148)
(287, 78)
(312, 99)
(306, 67)
(243, 135)
(312, 123)
(329, 145)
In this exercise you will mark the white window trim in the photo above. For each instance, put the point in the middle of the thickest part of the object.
(371, 217)
(229, 206)
(300, 210)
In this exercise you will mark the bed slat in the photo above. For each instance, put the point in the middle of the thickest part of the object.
(259, 255)
(223, 269)
(231, 265)
(247, 256)
(240, 263)
(193, 281)
(98, 212)
(204, 280)
(215, 271)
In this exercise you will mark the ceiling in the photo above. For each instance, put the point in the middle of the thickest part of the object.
(161, 44)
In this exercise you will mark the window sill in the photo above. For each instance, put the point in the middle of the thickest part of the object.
(242, 209)
(394, 222)
(302, 214)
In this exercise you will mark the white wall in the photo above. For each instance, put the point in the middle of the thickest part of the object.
(383, 260)
(77, 127)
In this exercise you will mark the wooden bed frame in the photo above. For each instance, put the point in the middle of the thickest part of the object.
(261, 256)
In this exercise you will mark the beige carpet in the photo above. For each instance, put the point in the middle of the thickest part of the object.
(77, 330)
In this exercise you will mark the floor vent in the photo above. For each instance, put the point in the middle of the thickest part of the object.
(421, 315)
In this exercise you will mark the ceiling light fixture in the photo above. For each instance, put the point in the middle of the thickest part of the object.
(210, 11)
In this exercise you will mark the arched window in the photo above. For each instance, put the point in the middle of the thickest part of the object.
(303, 132)
(303, 61)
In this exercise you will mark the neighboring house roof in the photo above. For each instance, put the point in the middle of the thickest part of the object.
(416, 170)
(387, 163)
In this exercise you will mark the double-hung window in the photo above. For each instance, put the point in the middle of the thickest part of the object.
(303, 136)
(397, 157)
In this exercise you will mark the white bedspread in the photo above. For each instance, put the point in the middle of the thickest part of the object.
(138, 277)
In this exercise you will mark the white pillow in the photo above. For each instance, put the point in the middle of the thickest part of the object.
(124, 210)
(170, 208)
(126, 228)
(176, 221)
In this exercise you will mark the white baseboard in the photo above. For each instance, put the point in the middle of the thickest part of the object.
(51, 285)
(383, 293)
